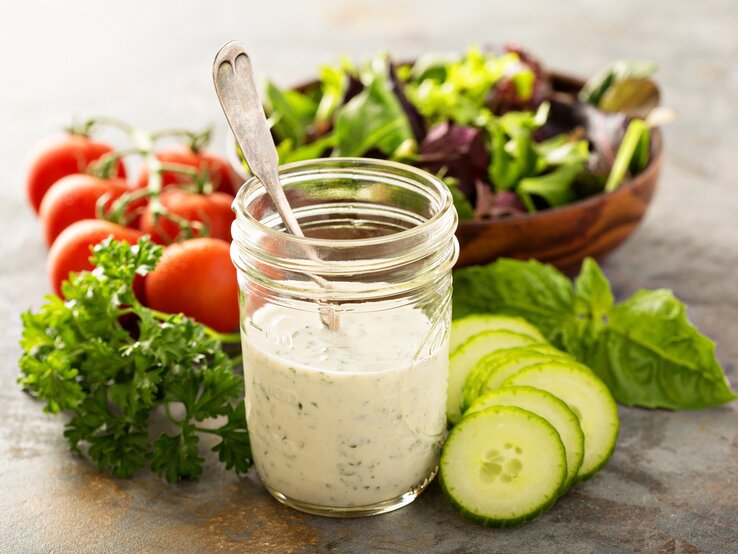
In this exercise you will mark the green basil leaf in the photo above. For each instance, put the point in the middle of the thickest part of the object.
(535, 291)
(593, 297)
(658, 359)
(644, 349)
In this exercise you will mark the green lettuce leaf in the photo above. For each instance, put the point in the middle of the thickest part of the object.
(632, 154)
(291, 111)
(452, 88)
(464, 209)
(596, 87)
(554, 187)
(374, 118)
(333, 85)
(545, 169)
(644, 349)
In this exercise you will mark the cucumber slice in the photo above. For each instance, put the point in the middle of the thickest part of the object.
(550, 408)
(588, 397)
(523, 356)
(502, 466)
(466, 357)
(465, 328)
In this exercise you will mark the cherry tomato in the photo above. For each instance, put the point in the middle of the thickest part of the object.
(196, 278)
(58, 156)
(214, 210)
(75, 197)
(220, 172)
(71, 249)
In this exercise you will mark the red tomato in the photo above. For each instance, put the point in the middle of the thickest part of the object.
(214, 210)
(58, 156)
(71, 249)
(220, 172)
(75, 197)
(196, 278)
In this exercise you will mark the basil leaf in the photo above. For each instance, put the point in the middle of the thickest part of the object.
(658, 359)
(593, 300)
(535, 291)
(593, 297)
(644, 349)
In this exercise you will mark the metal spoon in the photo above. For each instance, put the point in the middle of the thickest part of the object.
(236, 88)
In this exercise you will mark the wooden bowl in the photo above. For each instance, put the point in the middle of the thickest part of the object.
(561, 236)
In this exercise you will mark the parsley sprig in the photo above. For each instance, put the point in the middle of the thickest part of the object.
(121, 368)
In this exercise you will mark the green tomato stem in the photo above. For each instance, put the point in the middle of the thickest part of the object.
(104, 166)
(195, 140)
(221, 337)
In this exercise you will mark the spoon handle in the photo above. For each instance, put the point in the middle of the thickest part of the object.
(236, 88)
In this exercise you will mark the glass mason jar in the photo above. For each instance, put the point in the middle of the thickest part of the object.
(345, 332)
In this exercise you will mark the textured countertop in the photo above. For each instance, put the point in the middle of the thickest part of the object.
(672, 483)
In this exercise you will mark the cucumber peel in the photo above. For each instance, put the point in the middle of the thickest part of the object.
(588, 397)
(464, 329)
(502, 466)
(493, 369)
(466, 356)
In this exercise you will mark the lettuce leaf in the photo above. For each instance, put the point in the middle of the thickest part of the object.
(644, 349)
(373, 119)
(292, 113)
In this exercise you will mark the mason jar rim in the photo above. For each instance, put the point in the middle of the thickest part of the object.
(253, 186)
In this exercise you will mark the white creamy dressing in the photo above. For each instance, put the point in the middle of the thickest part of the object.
(345, 418)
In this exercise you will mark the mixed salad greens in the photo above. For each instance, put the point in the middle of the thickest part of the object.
(491, 125)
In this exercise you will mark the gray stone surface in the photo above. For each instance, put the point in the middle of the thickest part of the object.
(671, 485)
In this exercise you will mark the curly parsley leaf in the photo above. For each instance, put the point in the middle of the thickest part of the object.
(110, 361)
(175, 457)
(234, 450)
